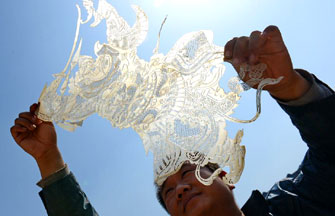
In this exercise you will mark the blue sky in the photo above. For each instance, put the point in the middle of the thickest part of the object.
(110, 164)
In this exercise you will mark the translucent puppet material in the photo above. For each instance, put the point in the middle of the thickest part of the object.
(173, 102)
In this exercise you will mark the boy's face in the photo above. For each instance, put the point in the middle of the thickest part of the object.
(183, 194)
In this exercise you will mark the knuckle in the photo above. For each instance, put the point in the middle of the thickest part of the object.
(242, 42)
(231, 41)
(25, 115)
(243, 38)
(255, 33)
(20, 121)
(21, 115)
(271, 28)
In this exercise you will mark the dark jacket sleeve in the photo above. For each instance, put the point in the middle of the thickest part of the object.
(316, 124)
(310, 190)
(65, 198)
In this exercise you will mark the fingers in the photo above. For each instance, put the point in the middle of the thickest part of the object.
(16, 130)
(33, 109)
(25, 123)
(246, 49)
(237, 51)
(241, 51)
(228, 49)
(29, 116)
(256, 41)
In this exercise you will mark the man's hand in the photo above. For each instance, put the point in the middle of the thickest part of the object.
(38, 139)
(267, 47)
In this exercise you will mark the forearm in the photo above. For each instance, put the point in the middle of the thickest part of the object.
(296, 88)
(50, 163)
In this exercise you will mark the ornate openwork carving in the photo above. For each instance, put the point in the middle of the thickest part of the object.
(173, 101)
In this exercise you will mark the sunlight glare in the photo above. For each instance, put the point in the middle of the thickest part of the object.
(159, 3)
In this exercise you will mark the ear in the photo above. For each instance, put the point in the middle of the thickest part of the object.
(222, 175)
(231, 186)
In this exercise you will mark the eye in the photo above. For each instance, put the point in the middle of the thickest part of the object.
(186, 172)
(167, 192)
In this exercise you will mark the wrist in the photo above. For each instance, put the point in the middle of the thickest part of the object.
(294, 88)
(50, 162)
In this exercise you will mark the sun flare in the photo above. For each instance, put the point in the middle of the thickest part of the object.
(159, 3)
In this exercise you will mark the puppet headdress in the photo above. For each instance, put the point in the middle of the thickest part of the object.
(173, 101)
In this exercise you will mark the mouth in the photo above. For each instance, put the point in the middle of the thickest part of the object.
(189, 199)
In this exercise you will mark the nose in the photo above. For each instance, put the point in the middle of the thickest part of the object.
(181, 189)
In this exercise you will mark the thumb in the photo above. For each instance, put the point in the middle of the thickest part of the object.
(33, 108)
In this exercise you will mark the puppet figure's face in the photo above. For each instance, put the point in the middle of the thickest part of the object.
(184, 195)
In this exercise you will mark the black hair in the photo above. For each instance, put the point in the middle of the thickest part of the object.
(159, 196)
